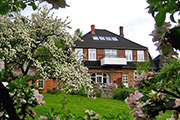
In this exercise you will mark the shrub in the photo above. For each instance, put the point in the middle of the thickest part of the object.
(120, 93)
(52, 91)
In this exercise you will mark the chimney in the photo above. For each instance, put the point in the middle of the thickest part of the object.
(121, 31)
(93, 29)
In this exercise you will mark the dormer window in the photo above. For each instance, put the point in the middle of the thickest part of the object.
(95, 38)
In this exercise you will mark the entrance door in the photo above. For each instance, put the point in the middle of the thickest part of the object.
(125, 80)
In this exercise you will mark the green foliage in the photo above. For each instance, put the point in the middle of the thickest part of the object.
(143, 66)
(14, 5)
(122, 115)
(49, 90)
(120, 93)
(159, 9)
(23, 96)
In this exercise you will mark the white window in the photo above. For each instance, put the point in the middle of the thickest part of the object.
(110, 53)
(135, 75)
(128, 54)
(114, 38)
(108, 38)
(95, 38)
(40, 84)
(140, 55)
(92, 54)
(101, 78)
(79, 53)
(101, 38)
(125, 80)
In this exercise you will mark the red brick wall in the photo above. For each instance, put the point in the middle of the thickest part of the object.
(85, 52)
(49, 83)
(145, 55)
(121, 53)
(115, 75)
(134, 55)
(99, 53)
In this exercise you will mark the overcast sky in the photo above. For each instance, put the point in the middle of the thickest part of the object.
(110, 15)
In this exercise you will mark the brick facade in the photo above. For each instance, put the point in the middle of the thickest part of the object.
(115, 75)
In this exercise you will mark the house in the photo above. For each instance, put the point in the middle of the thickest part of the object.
(110, 57)
(159, 62)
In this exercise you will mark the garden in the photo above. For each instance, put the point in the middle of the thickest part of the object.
(42, 42)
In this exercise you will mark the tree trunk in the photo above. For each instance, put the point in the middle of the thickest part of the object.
(7, 103)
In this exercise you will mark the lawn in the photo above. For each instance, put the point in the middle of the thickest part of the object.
(77, 105)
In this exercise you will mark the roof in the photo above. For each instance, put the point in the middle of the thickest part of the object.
(121, 43)
(160, 60)
(97, 64)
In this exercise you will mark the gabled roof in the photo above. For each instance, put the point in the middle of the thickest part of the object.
(121, 43)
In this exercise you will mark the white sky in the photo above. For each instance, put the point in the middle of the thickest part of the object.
(109, 15)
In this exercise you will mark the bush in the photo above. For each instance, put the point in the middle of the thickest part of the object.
(52, 91)
(120, 93)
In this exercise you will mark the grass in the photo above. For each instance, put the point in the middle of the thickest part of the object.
(78, 105)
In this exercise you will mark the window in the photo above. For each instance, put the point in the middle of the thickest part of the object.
(114, 38)
(135, 75)
(110, 53)
(92, 54)
(79, 52)
(101, 78)
(125, 80)
(95, 38)
(140, 55)
(129, 55)
(101, 38)
(108, 38)
(40, 84)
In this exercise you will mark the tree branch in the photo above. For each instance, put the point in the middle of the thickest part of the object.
(8, 103)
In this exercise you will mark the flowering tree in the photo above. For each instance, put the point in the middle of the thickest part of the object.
(156, 93)
(41, 42)
(15, 5)
(166, 38)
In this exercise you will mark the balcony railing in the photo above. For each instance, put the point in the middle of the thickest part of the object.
(113, 60)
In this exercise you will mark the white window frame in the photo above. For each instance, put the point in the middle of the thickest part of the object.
(135, 75)
(95, 38)
(140, 55)
(129, 56)
(39, 82)
(101, 74)
(110, 53)
(92, 54)
(125, 79)
(79, 53)
(108, 38)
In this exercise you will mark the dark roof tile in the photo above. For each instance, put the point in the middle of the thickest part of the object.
(122, 43)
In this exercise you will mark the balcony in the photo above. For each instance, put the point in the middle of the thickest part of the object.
(113, 60)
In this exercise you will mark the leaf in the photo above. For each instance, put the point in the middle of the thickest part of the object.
(4, 9)
(172, 18)
(160, 17)
(23, 5)
(33, 5)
